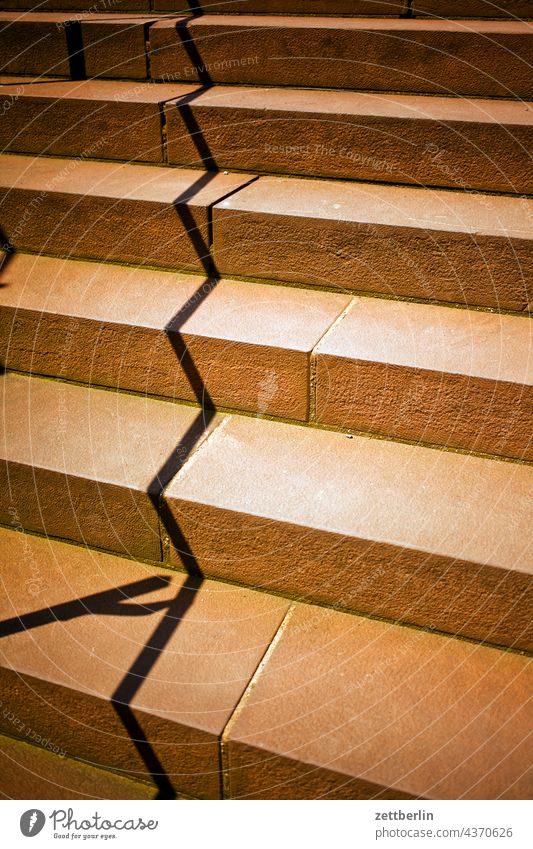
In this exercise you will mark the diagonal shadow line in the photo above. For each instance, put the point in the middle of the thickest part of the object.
(142, 666)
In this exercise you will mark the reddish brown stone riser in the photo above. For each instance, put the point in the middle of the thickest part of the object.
(81, 712)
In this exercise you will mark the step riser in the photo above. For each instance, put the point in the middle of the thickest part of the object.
(457, 411)
(41, 771)
(401, 61)
(367, 577)
(108, 130)
(395, 8)
(488, 157)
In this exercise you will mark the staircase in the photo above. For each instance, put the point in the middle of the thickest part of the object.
(267, 394)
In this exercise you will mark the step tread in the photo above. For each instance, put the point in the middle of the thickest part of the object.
(118, 91)
(373, 104)
(346, 708)
(208, 643)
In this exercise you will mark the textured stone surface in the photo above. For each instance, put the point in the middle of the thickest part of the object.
(234, 344)
(474, 8)
(100, 120)
(182, 654)
(410, 242)
(482, 58)
(437, 141)
(351, 708)
(79, 463)
(410, 533)
(459, 378)
(115, 45)
(80, 5)
(34, 44)
(129, 213)
(288, 7)
(36, 772)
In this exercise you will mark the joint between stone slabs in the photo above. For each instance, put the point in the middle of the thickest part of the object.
(241, 704)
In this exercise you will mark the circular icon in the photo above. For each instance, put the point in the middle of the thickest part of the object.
(32, 822)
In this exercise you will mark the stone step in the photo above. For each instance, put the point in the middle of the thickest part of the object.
(227, 343)
(479, 59)
(459, 378)
(59, 44)
(348, 708)
(413, 534)
(411, 139)
(427, 537)
(129, 213)
(205, 688)
(457, 247)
